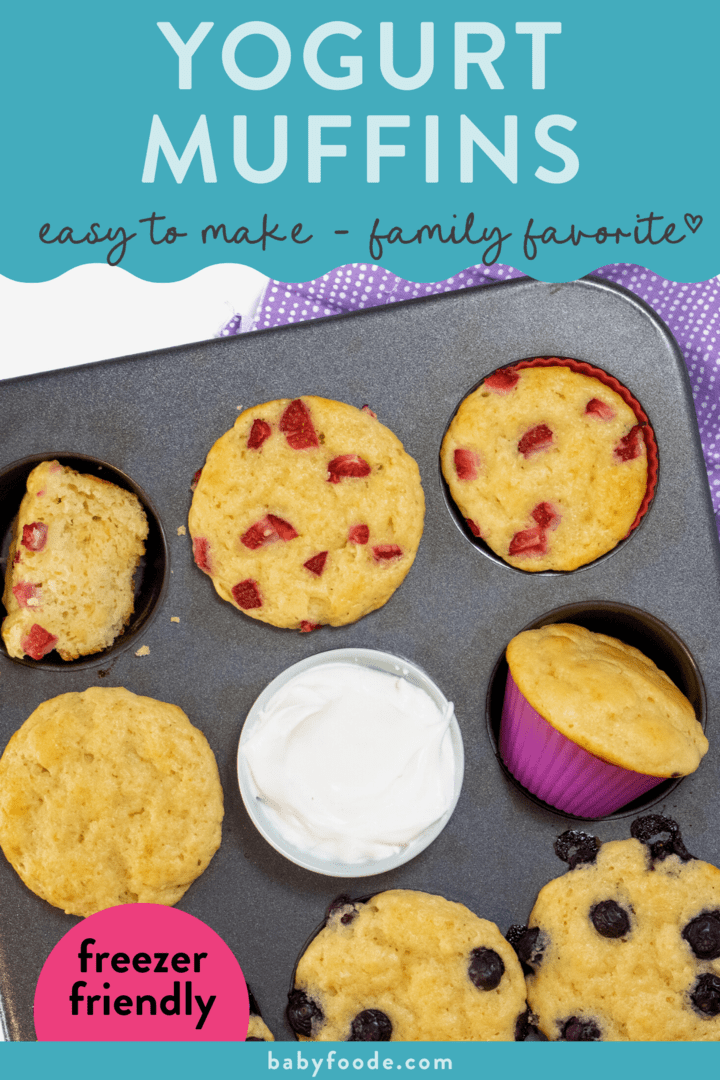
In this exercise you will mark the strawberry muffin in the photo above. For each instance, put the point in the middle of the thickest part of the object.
(547, 465)
(307, 512)
(69, 585)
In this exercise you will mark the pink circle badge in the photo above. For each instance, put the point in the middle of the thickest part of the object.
(141, 972)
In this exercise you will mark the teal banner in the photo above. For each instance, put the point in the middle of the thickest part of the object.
(554, 137)
(320, 1061)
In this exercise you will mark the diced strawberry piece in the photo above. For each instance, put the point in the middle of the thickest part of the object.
(38, 642)
(259, 432)
(383, 552)
(546, 516)
(258, 534)
(347, 465)
(201, 553)
(297, 426)
(195, 479)
(536, 439)
(530, 543)
(467, 464)
(474, 529)
(283, 528)
(630, 446)
(306, 627)
(502, 382)
(25, 591)
(368, 410)
(359, 534)
(267, 531)
(316, 565)
(598, 408)
(247, 594)
(16, 559)
(34, 536)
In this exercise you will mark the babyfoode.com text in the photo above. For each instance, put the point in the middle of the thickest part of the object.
(374, 1062)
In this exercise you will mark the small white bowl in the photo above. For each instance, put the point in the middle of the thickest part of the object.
(380, 661)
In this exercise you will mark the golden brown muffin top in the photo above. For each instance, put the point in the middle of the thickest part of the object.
(547, 465)
(607, 697)
(629, 948)
(409, 966)
(109, 798)
(307, 512)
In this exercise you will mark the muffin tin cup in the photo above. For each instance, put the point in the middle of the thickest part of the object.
(151, 575)
(557, 770)
(550, 769)
(264, 823)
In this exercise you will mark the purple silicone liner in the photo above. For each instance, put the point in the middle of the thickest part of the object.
(557, 770)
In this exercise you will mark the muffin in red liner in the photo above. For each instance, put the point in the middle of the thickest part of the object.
(589, 723)
(551, 462)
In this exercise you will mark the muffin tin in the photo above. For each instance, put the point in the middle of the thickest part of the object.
(154, 418)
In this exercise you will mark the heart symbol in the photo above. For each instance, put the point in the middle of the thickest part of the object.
(693, 223)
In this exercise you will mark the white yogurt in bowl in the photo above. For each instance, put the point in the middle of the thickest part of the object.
(351, 762)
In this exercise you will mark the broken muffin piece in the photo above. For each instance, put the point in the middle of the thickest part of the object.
(77, 542)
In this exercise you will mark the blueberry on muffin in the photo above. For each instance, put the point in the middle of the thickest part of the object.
(406, 965)
(626, 944)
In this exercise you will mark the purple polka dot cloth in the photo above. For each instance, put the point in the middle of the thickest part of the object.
(692, 312)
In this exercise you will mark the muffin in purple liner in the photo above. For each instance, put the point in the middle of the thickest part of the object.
(589, 723)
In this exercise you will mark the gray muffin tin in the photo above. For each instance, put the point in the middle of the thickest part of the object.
(154, 417)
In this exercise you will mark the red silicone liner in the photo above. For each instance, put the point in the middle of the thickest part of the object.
(640, 414)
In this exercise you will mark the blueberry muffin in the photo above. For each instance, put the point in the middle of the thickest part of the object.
(626, 944)
(258, 1031)
(77, 542)
(406, 966)
(109, 798)
(307, 512)
(547, 465)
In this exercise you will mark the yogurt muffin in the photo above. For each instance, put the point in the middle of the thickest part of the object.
(589, 719)
(406, 965)
(109, 798)
(77, 542)
(626, 944)
(258, 1031)
(547, 465)
(307, 512)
